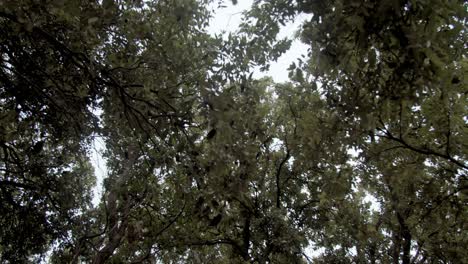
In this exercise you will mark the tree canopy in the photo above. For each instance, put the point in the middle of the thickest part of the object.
(361, 157)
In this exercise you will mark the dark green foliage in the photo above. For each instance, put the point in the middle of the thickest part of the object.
(207, 164)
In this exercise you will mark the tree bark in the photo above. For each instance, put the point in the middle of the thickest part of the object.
(246, 237)
(406, 236)
(118, 208)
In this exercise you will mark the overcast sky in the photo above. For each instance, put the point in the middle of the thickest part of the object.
(228, 19)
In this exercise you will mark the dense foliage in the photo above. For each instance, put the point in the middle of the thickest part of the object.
(207, 164)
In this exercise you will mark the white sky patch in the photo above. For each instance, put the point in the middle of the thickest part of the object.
(278, 69)
(313, 251)
(373, 202)
(100, 168)
(354, 152)
(276, 145)
(227, 20)
(97, 149)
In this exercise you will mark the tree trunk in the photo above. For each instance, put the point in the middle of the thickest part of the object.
(396, 248)
(118, 208)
